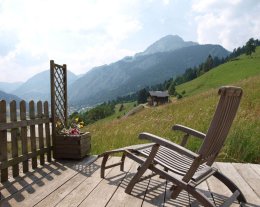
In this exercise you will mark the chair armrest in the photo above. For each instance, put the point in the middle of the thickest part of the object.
(189, 131)
(168, 144)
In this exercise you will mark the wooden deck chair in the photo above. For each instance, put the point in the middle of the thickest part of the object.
(193, 168)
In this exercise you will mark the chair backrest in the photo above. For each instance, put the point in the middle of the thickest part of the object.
(230, 97)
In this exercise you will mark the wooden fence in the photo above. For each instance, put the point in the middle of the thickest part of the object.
(22, 147)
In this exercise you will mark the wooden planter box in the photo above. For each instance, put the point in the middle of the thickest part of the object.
(72, 146)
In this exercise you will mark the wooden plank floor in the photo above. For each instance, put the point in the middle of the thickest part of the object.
(75, 183)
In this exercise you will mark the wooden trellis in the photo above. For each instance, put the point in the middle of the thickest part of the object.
(59, 102)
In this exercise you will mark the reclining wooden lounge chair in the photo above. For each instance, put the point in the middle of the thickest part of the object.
(194, 168)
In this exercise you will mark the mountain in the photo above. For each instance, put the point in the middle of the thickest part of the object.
(9, 97)
(9, 87)
(38, 86)
(166, 44)
(133, 73)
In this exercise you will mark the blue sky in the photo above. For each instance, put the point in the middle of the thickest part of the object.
(88, 33)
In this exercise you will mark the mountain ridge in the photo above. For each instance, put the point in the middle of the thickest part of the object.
(166, 44)
(9, 97)
(165, 58)
(38, 86)
(130, 74)
(9, 87)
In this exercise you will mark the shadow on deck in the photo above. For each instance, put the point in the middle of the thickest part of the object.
(78, 183)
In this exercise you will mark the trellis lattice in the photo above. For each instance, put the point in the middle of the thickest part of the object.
(58, 96)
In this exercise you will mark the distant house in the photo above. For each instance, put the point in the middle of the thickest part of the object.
(158, 97)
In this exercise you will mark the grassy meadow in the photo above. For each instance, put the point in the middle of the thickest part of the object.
(120, 113)
(196, 111)
(231, 72)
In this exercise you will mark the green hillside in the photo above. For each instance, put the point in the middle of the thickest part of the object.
(231, 72)
(196, 111)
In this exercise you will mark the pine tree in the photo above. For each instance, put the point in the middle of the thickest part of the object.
(250, 46)
(172, 89)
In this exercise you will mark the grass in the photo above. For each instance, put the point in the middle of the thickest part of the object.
(231, 72)
(196, 111)
(119, 114)
(126, 107)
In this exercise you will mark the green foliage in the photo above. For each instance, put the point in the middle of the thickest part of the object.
(244, 49)
(172, 89)
(99, 112)
(142, 96)
(178, 96)
(208, 65)
(229, 73)
(192, 73)
(250, 46)
(121, 107)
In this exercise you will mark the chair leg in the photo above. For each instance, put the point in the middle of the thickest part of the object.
(176, 190)
(200, 197)
(232, 187)
(122, 162)
(103, 165)
(142, 169)
(135, 179)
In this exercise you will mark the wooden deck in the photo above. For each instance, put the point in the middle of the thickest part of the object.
(79, 184)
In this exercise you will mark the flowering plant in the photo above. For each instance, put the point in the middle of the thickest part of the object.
(73, 129)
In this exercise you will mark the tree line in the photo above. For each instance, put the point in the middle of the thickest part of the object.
(99, 112)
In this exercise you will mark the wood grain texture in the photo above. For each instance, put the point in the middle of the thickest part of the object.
(106, 187)
(120, 198)
(250, 176)
(231, 172)
(78, 183)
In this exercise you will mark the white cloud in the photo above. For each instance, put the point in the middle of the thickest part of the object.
(88, 33)
(82, 34)
(166, 2)
(229, 23)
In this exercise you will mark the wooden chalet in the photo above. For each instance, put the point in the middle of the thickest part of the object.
(158, 98)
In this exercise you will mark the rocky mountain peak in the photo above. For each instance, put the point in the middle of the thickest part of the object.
(166, 44)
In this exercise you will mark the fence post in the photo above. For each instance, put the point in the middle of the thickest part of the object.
(40, 132)
(47, 131)
(32, 134)
(3, 141)
(14, 138)
(24, 136)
